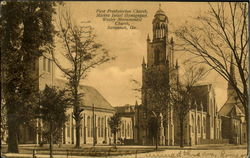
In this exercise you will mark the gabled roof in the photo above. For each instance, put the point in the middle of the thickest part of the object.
(231, 108)
(90, 96)
(236, 111)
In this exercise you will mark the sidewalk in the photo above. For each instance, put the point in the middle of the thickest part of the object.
(87, 151)
(13, 155)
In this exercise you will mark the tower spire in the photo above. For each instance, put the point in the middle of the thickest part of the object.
(230, 89)
(232, 72)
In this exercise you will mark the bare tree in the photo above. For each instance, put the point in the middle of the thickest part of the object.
(83, 53)
(216, 36)
(181, 95)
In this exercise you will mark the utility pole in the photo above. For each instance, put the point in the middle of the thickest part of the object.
(94, 137)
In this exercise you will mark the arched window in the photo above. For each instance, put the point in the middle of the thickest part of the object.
(109, 132)
(98, 126)
(204, 125)
(49, 65)
(68, 129)
(88, 126)
(128, 129)
(102, 129)
(199, 124)
(157, 31)
(157, 56)
(193, 123)
(123, 129)
(44, 64)
(162, 30)
(91, 126)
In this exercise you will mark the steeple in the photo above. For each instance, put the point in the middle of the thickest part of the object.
(232, 72)
(230, 89)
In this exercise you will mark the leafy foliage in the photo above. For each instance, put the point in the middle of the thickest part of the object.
(114, 123)
(53, 104)
(26, 33)
(52, 111)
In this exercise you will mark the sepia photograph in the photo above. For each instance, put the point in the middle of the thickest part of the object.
(126, 79)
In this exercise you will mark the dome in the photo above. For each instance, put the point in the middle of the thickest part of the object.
(159, 12)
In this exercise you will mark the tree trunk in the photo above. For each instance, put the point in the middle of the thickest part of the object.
(181, 134)
(156, 139)
(51, 144)
(78, 125)
(157, 132)
(115, 139)
(12, 133)
(247, 126)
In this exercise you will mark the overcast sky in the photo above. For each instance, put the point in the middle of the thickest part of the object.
(112, 79)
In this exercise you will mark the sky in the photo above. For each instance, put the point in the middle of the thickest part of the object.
(113, 79)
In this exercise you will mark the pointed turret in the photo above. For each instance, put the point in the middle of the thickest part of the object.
(136, 103)
(143, 62)
(177, 65)
(195, 104)
(201, 105)
(171, 41)
(148, 38)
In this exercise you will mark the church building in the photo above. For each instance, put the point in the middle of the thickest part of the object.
(233, 115)
(159, 71)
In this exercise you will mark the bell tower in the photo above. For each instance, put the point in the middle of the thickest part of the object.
(159, 49)
(160, 25)
(156, 72)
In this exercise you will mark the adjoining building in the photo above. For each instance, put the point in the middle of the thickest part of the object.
(96, 113)
(203, 122)
(127, 115)
(233, 115)
(93, 129)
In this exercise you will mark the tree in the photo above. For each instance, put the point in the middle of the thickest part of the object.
(52, 111)
(4, 126)
(26, 32)
(114, 124)
(181, 95)
(156, 90)
(217, 36)
(83, 53)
